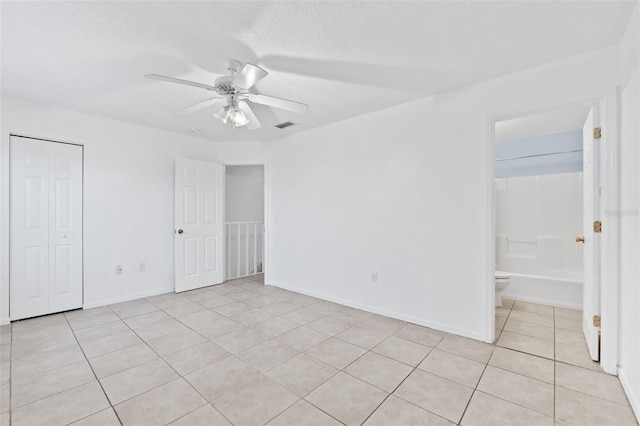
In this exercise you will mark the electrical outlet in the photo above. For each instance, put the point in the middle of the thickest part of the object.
(142, 266)
(119, 269)
(374, 277)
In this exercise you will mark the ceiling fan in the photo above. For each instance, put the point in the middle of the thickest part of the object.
(234, 89)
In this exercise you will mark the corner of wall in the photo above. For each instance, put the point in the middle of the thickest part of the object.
(634, 399)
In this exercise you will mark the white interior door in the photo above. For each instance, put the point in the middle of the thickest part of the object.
(591, 213)
(199, 224)
(46, 227)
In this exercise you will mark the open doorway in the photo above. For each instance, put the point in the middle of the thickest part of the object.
(244, 221)
(551, 172)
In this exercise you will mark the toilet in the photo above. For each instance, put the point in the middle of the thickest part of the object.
(502, 280)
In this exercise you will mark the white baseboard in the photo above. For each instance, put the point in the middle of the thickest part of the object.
(126, 298)
(386, 313)
(631, 394)
(4, 321)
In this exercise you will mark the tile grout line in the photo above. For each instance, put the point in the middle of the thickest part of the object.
(231, 355)
(56, 368)
(322, 362)
(357, 378)
(94, 374)
(519, 374)
(475, 388)
(401, 382)
(170, 366)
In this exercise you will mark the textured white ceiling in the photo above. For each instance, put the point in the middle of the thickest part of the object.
(342, 58)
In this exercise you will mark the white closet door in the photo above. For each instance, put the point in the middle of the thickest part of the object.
(29, 216)
(65, 227)
(199, 224)
(46, 227)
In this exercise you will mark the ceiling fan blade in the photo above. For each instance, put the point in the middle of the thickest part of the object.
(253, 120)
(179, 81)
(200, 105)
(222, 115)
(277, 102)
(248, 76)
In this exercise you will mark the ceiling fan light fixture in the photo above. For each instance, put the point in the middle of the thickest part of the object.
(232, 115)
(237, 117)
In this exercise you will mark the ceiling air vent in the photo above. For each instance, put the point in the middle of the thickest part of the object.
(285, 125)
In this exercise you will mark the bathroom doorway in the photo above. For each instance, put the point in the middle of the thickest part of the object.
(552, 184)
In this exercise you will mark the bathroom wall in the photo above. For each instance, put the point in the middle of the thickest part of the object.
(537, 220)
(559, 152)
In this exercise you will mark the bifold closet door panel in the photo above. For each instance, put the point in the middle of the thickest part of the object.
(65, 227)
(29, 216)
(46, 227)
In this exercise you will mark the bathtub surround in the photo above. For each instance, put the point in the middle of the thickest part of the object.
(537, 221)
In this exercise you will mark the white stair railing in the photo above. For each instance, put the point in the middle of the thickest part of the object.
(244, 249)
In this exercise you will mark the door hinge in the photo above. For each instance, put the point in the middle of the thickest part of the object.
(597, 226)
(597, 133)
(596, 321)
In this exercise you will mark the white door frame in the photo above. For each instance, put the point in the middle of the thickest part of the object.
(610, 228)
(81, 145)
(267, 221)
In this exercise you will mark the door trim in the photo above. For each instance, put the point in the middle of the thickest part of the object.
(81, 145)
(610, 236)
(267, 220)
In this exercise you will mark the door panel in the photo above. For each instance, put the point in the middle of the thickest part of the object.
(198, 214)
(65, 227)
(29, 216)
(591, 211)
(46, 227)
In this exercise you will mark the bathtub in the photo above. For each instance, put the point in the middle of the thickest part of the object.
(562, 289)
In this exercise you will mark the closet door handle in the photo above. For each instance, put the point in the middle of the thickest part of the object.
(180, 231)
(579, 239)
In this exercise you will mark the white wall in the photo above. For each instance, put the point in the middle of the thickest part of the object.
(628, 215)
(405, 192)
(244, 193)
(128, 197)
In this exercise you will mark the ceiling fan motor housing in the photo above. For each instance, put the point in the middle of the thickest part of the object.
(233, 65)
(224, 85)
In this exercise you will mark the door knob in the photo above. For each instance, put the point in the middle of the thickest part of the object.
(579, 239)
(180, 231)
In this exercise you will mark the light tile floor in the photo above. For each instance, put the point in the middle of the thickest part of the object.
(247, 354)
